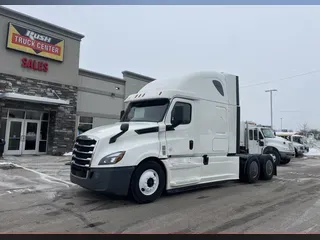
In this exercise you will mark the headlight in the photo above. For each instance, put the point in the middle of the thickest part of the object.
(112, 158)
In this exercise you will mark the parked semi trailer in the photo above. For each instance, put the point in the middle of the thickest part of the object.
(175, 134)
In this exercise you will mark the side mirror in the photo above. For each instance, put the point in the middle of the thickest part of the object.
(261, 143)
(124, 127)
(121, 114)
(177, 117)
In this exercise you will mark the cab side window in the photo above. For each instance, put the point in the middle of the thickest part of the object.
(186, 110)
(260, 135)
(250, 134)
(255, 137)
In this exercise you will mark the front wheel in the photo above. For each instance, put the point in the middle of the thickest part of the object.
(285, 161)
(148, 182)
(275, 154)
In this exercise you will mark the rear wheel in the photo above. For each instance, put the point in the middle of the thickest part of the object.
(253, 171)
(148, 182)
(267, 169)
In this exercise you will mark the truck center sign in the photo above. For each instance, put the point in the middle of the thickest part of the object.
(35, 43)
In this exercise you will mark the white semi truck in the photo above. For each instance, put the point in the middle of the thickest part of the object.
(175, 135)
(257, 139)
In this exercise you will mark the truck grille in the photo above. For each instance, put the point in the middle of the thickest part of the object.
(291, 146)
(83, 150)
(79, 171)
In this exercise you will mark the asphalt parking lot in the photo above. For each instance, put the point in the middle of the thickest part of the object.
(39, 198)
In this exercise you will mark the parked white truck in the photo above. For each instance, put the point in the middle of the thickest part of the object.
(299, 142)
(175, 134)
(257, 139)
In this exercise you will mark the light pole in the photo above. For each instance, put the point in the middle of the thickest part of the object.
(281, 124)
(271, 91)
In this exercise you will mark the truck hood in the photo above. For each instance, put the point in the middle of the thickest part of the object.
(108, 131)
(274, 140)
(278, 141)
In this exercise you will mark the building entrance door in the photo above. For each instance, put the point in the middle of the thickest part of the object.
(22, 137)
(26, 132)
(14, 137)
(30, 137)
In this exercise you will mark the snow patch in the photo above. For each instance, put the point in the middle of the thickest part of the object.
(7, 165)
(68, 154)
(313, 152)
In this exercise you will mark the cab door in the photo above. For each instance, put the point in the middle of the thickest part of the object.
(180, 139)
(185, 168)
(253, 139)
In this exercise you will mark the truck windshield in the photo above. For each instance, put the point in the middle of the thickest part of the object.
(297, 139)
(146, 111)
(267, 133)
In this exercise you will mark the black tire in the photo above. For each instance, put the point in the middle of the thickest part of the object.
(267, 169)
(275, 153)
(285, 161)
(252, 170)
(147, 167)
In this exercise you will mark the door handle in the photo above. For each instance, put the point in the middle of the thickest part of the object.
(205, 160)
(191, 144)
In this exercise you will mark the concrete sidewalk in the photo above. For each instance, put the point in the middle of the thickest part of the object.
(51, 165)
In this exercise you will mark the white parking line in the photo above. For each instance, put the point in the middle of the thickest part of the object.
(46, 177)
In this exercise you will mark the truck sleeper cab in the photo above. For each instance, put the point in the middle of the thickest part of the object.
(175, 134)
(257, 139)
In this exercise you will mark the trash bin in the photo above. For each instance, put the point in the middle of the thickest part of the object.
(2, 143)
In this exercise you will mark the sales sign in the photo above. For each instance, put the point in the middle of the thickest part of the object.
(29, 41)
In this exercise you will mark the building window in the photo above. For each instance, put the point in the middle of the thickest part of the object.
(44, 129)
(17, 114)
(4, 116)
(85, 124)
(33, 115)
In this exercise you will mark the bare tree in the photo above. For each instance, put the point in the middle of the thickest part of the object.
(304, 129)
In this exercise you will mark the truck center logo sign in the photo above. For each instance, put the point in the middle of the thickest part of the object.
(35, 43)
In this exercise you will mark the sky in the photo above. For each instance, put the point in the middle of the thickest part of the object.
(266, 46)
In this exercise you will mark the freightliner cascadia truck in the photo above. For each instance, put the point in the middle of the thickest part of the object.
(174, 135)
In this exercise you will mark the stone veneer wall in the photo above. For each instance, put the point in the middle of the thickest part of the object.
(62, 118)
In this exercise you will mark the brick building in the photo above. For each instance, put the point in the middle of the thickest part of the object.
(45, 99)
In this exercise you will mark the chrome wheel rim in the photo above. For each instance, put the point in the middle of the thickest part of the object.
(149, 182)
